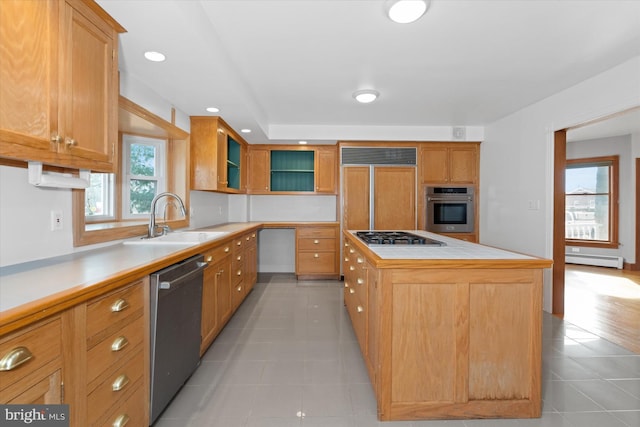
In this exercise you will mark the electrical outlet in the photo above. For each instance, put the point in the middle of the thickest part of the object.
(534, 205)
(56, 220)
(575, 249)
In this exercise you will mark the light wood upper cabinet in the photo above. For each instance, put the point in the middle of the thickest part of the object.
(218, 156)
(258, 181)
(319, 175)
(59, 92)
(326, 169)
(449, 163)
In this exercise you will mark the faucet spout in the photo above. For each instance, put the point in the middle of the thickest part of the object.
(152, 216)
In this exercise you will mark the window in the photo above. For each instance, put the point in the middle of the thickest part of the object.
(99, 211)
(591, 202)
(144, 167)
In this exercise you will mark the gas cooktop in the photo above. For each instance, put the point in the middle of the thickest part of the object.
(395, 238)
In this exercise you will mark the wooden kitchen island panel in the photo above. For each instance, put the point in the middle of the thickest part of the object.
(453, 342)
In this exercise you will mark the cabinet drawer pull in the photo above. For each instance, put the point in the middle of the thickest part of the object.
(360, 309)
(119, 305)
(119, 343)
(121, 421)
(70, 142)
(352, 268)
(239, 273)
(15, 358)
(352, 291)
(209, 258)
(248, 237)
(351, 251)
(239, 289)
(239, 243)
(226, 249)
(316, 242)
(346, 259)
(316, 256)
(360, 260)
(120, 383)
(239, 258)
(360, 281)
(346, 285)
(55, 138)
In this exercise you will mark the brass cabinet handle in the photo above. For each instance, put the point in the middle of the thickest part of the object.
(346, 259)
(346, 285)
(316, 256)
(121, 421)
(55, 138)
(360, 309)
(15, 358)
(226, 249)
(351, 267)
(120, 382)
(70, 142)
(209, 258)
(316, 242)
(119, 305)
(239, 257)
(360, 281)
(351, 250)
(253, 235)
(119, 343)
(239, 243)
(239, 273)
(239, 289)
(360, 260)
(352, 291)
(248, 237)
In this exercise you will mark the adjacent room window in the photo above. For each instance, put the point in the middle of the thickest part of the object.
(99, 198)
(591, 202)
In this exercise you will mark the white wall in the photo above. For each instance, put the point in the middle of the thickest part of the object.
(621, 146)
(517, 160)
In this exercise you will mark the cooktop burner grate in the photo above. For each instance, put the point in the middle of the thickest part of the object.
(395, 238)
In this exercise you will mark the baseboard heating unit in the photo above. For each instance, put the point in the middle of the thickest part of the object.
(595, 260)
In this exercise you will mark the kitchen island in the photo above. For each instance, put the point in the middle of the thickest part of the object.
(448, 331)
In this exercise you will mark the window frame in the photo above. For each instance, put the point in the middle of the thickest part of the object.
(135, 120)
(613, 162)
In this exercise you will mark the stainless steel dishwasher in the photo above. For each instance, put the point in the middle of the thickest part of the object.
(176, 303)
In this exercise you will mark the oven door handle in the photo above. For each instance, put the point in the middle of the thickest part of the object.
(166, 284)
(447, 199)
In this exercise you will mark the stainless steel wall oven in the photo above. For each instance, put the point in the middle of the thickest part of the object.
(450, 209)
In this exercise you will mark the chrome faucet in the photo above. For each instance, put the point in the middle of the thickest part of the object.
(152, 216)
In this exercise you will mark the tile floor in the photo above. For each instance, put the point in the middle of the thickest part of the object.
(290, 350)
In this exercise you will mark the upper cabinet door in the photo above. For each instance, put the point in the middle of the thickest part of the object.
(89, 85)
(59, 91)
(259, 167)
(326, 170)
(28, 72)
(449, 163)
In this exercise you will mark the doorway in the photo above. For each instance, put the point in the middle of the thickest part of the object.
(559, 275)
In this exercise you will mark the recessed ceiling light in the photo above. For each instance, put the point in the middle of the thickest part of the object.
(406, 11)
(212, 109)
(302, 142)
(245, 130)
(366, 96)
(154, 56)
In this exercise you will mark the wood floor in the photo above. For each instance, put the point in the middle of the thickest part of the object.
(606, 302)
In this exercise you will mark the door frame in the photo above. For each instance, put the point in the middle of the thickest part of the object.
(559, 166)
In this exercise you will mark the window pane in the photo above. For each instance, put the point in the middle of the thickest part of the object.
(590, 179)
(141, 193)
(99, 196)
(143, 160)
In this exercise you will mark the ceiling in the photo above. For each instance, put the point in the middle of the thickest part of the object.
(287, 69)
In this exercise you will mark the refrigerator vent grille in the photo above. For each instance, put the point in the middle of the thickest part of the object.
(379, 156)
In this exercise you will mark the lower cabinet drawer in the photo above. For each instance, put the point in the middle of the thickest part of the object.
(308, 244)
(316, 262)
(131, 413)
(115, 388)
(118, 346)
(30, 350)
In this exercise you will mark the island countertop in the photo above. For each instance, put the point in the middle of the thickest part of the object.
(455, 253)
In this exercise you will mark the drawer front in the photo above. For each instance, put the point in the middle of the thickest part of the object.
(319, 232)
(113, 309)
(36, 346)
(116, 347)
(313, 244)
(115, 388)
(131, 413)
(218, 253)
(316, 262)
